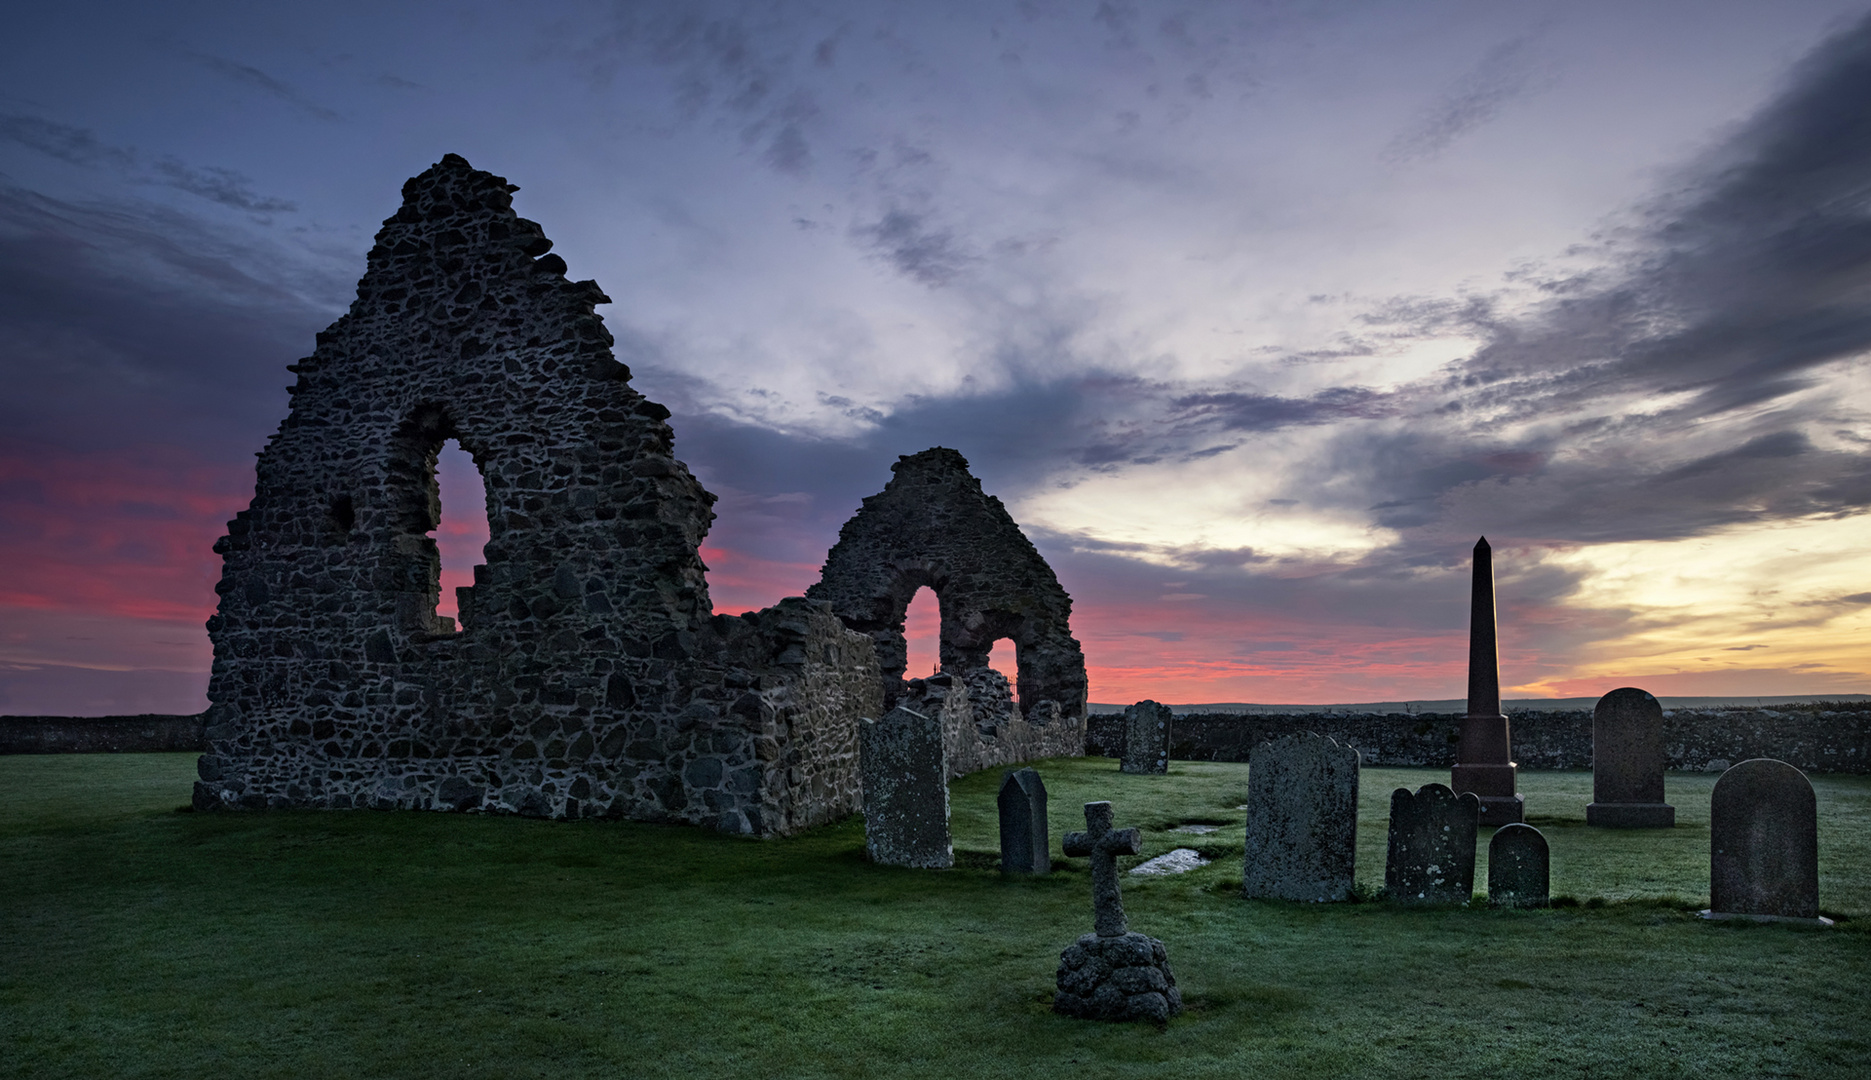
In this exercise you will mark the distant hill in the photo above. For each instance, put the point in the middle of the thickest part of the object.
(1460, 705)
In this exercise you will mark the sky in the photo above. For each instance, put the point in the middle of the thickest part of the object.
(1255, 315)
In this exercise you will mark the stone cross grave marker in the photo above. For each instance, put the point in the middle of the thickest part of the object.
(1519, 867)
(1302, 819)
(1764, 844)
(1627, 763)
(905, 775)
(1431, 857)
(1146, 738)
(1114, 973)
(1025, 843)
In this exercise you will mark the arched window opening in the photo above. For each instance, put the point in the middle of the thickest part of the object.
(1002, 658)
(461, 534)
(922, 633)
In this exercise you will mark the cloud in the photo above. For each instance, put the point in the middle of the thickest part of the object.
(918, 250)
(1266, 412)
(79, 146)
(253, 78)
(1509, 71)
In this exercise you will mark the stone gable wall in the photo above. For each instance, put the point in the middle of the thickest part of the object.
(589, 676)
(933, 525)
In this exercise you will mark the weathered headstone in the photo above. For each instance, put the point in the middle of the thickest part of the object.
(905, 790)
(1146, 738)
(1764, 844)
(1302, 819)
(1627, 763)
(1025, 843)
(1114, 973)
(1431, 856)
(1519, 867)
(1484, 760)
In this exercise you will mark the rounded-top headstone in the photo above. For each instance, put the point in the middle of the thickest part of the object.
(1519, 867)
(1764, 842)
(1628, 762)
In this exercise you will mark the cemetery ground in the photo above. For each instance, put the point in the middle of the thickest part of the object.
(137, 940)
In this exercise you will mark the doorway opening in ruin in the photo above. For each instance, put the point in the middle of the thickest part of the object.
(461, 532)
(922, 634)
(1003, 657)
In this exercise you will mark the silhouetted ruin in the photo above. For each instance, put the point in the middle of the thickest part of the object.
(933, 525)
(589, 676)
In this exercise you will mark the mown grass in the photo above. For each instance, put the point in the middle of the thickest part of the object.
(139, 941)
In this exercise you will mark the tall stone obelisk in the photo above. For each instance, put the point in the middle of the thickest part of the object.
(1484, 760)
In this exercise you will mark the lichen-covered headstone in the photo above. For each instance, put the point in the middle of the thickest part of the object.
(1519, 867)
(1302, 819)
(1113, 973)
(1025, 843)
(1627, 763)
(1146, 738)
(1764, 844)
(905, 791)
(1431, 856)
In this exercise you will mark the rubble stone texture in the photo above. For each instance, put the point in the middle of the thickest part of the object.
(933, 525)
(1519, 867)
(589, 676)
(1628, 762)
(1431, 856)
(1146, 738)
(1025, 839)
(1302, 820)
(1764, 842)
(906, 811)
(1113, 973)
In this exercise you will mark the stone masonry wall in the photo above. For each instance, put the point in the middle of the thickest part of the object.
(589, 676)
(1821, 738)
(146, 733)
(933, 525)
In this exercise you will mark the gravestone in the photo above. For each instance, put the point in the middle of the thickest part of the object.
(1484, 760)
(1146, 738)
(1764, 844)
(1519, 867)
(1302, 819)
(1627, 763)
(1431, 856)
(905, 780)
(1025, 843)
(1113, 973)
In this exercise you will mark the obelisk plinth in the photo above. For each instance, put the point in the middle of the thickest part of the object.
(1484, 760)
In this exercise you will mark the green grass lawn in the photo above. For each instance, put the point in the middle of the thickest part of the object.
(136, 940)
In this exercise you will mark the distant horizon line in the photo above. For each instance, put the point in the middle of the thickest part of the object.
(1449, 705)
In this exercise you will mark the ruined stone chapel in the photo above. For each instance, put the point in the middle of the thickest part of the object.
(589, 675)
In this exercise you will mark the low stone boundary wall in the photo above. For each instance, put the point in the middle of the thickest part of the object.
(148, 733)
(1819, 738)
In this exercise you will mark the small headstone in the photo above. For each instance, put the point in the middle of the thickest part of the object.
(1146, 738)
(1432, 845)
(1115, 973)
(1627, 763)
(1302, 819)
(1025, 843)
(1519, 867)
(1764, 844)
(905, 778)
